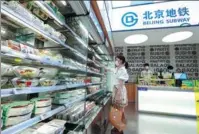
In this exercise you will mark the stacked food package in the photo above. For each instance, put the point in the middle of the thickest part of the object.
(16, 112)
(76, 112)
(42, 105)
(53, 127)
(68, 96)
(35, 21)
(93, 89)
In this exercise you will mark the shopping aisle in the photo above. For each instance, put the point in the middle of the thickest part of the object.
(157, 124)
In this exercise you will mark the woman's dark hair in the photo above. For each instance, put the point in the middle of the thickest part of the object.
(126, 65)
(146, 64)
(122, 58)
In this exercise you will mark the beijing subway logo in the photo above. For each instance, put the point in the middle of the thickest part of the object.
(129, 19)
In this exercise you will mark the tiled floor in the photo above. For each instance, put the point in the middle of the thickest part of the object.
(157, 124)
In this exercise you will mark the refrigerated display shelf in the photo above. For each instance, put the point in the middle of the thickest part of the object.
(30, 62)
(22, 20)
(20, 127)
(95, 113)
(43, 5)
(31, 90)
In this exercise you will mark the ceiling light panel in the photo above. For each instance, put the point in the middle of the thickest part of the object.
(178, 36)
(136, 39)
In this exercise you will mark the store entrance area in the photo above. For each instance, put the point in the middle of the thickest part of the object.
(142, 123)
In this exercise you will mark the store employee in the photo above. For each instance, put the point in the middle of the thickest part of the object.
(146, 73)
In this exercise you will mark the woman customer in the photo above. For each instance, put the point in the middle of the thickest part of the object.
(119, 92)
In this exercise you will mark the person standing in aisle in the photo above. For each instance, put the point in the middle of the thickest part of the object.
(119, 92)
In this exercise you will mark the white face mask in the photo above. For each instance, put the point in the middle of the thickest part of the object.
(147, 67)
(116, 63)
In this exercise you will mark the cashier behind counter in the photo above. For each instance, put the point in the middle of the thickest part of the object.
(146, 73)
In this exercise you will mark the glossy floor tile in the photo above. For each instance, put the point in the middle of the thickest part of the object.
(157, 124)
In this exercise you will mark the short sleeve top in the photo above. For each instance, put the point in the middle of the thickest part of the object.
(121, 74)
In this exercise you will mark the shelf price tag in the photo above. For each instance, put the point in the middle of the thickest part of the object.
(14, 91)
(43, 116)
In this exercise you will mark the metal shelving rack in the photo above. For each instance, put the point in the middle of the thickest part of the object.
(30, 62)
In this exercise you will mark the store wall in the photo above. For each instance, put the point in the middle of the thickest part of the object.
(184, 58)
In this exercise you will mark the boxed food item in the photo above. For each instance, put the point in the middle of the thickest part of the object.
(12, 48)
(20, 83)
(95, 79)
(48, 72)
(62, 100)
(26, 72)
(49, 129)
(47, 82)
(57, 59)
(187, 84)
(6, 69)
(64, 94)
(9, 121)
(17, 108)
(42, 102)
(93, 89)
(42, 105)
(4, 81)
(41, 110)
(34, 54)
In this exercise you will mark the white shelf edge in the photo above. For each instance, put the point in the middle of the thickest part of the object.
(30, 90)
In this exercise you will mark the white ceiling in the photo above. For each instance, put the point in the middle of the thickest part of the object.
(155, 36)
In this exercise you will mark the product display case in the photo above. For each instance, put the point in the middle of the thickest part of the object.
(50, 70)
(167, 96)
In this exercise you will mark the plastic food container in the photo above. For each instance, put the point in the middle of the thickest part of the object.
(48, 72)
(9, 121)
(66, 94)
(57, 59)
(42, 102)
(61, 101)
(6, 70)
(92, 89)
(40, 110)
(4, 81)
(47, 82)
(18, 82)
(26, 72)
(17, 108)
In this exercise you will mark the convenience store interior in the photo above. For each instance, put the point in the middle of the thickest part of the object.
(56, 58)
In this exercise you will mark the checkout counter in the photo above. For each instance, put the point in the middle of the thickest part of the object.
(167, 98)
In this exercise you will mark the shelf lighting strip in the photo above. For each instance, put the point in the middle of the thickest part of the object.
(26, 124)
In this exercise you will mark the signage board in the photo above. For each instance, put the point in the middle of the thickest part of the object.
(166, 14)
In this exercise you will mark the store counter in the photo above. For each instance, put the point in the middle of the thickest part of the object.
(166, 100)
